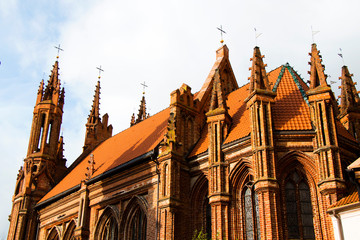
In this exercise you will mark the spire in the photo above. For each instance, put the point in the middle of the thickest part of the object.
(132, 122)
(218, 100)
(97, 130)
(40, 92)
(142, 115)
(258, 78)
(94, 116)
(349, 97)
(142, 110)
(53, 84)
(317, 75)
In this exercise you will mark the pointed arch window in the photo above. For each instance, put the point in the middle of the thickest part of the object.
(207, 216)
(251, 213)
(138, 225)
(299, 216)
(165, 179)
(69, 234)
(108, 228)
(54, 235)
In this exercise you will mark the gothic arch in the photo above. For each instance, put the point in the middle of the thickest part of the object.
(134, 219)
(69, 233)
(238, 173)
(241, 179)
(295, 159)
(304, 167)
(200, 216)
(107, 226)
(54, 234)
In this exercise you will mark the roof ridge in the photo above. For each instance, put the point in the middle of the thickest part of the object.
(279, 77)
(302, 91)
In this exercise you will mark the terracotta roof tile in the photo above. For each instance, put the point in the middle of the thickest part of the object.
(240, 115)
(290, 111)
(352, 198)
(341, 130)
(202, 144)
(121, 148)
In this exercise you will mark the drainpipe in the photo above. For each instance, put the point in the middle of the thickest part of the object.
(154, 159)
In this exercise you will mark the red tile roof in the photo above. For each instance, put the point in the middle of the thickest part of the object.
(290, 111)
(123, 147)
(352, 198)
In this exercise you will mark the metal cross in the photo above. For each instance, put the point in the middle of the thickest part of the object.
(341, 55)
(59, 49)
(100, 70)
(313, 34)
(256, 36)
(144, 86)
(221, 33)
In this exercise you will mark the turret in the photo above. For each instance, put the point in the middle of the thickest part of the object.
(323, 108)
(44, 165)
(260, 101)
(219, 121)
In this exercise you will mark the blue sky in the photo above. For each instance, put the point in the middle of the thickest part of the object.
(164, 43)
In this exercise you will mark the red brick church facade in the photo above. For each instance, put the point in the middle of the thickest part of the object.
(261, 161)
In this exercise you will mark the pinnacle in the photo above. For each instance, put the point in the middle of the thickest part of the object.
(317, 75)
(349, 96)
(142, 115)
(94, 116)
(218, 100)
(258, 79)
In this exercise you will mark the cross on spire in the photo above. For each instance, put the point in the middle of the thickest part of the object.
(144, 86)
(59, 49)
(221, 33)
(256, 36)
(341, 55)
(100, 70)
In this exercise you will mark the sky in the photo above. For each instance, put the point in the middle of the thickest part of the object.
(163, 43)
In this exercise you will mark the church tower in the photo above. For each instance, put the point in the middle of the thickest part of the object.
(44, 164)
(260, 101)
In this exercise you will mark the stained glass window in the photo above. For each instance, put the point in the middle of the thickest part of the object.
(298, 208)
(251, 213)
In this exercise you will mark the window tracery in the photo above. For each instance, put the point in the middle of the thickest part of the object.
(138, 225)
(251, 212)
(54, 235)
(108, 228)
(298, 207)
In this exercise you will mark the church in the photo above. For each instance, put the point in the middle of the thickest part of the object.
(261, 161)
